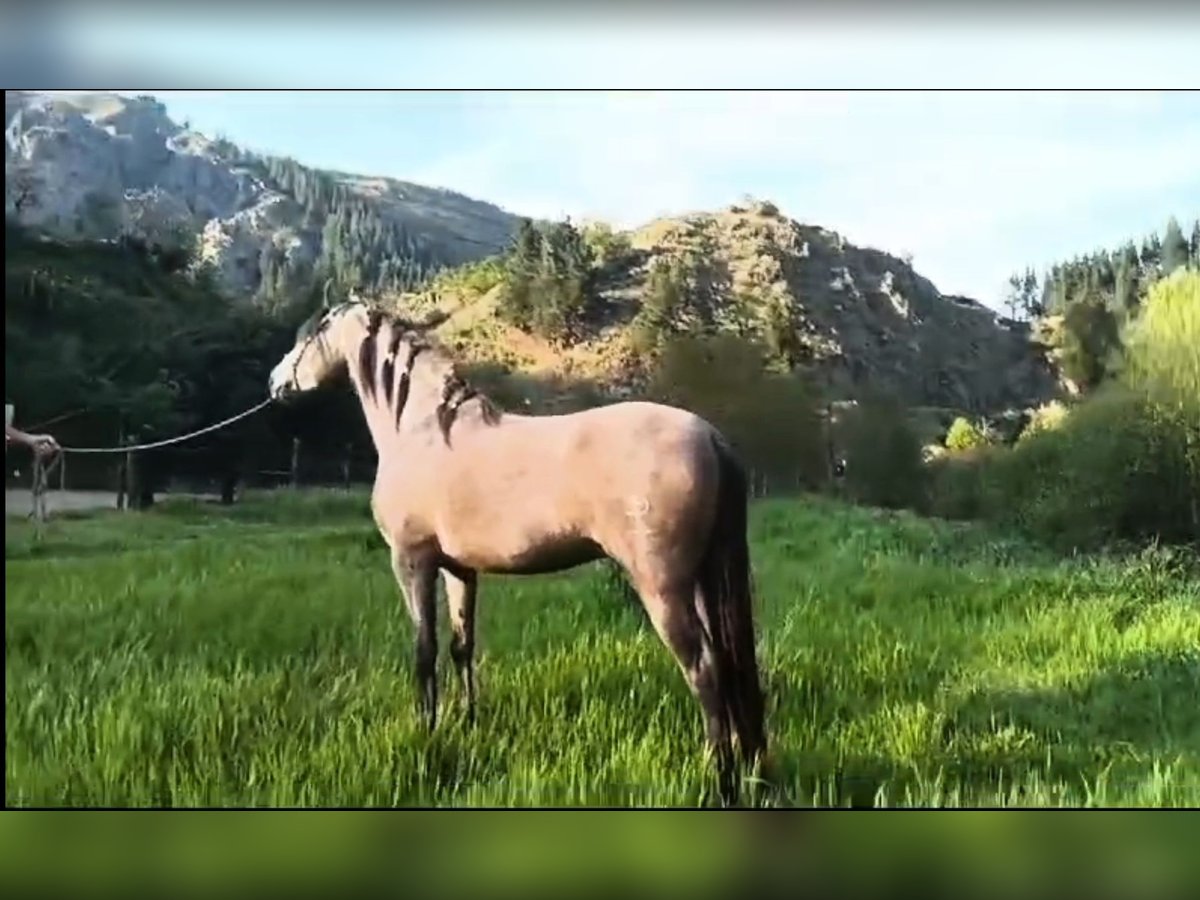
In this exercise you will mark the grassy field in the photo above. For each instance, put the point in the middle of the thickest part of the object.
(258, 655)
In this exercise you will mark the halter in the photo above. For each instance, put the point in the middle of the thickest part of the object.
(321, 325)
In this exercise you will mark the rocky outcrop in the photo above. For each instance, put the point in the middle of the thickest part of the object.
(103, 165)
(860, 319)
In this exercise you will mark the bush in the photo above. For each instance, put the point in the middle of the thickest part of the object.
(956, 485)
(607, 246)
(1047, 417)
(1116, 470)
(883, 456)
(1090, 340)
(771, 420)
(964, 435)
(1162, 364)
(1124, 465)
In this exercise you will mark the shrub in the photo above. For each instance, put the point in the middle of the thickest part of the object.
(771, 419)
(1047, 417)
(1090, 339)
(883, 455)
(965, 435)
(1123, 465)
(1117, 469)
(956, 485)
(606, 245)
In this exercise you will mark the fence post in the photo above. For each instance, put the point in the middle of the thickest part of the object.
(346, 467)
(38, 513)
(130, 481)
(295, 462)
(122, 469)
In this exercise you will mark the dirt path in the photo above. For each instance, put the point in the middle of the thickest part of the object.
(19, 501)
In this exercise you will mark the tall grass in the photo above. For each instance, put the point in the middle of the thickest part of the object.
(258, 655)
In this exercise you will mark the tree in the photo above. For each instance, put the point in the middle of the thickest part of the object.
(779, 330)
(1194, 248)
(883, 454)
(1174, 248)
(141, 350)
(1090, 337)
(965, 435)
(666, 294)
(1151, 255)
(1029, 295)
(1162, 364)
(1126, 288)
(1013, 296)
(771, 419)
(21, 186)
(548, 281)
(521, 267)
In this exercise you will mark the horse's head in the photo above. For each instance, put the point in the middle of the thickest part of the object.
(319, 352)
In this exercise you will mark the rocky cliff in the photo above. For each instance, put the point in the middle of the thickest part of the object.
(858, 318)
(103, 165)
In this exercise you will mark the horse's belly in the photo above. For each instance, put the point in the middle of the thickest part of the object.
(533, 559)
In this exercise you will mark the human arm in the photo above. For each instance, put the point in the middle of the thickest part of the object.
(39, 443)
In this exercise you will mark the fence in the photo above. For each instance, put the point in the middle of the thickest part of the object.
(126, 481)
(202, 463)
(126, 477)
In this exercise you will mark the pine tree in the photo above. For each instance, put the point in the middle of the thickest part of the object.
(1174, 248)
(1090, 337)
(1029, 294)
(1048, 288)
(524, 258)
(1151, 256)
(1012, 298)
(1124, 291)
(1195, 244)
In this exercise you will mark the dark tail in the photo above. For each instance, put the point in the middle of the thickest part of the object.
(726, 591)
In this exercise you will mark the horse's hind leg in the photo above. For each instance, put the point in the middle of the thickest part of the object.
(676, 622)
(460, 603)
(418, 584)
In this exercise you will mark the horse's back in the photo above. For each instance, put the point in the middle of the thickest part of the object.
(531, 486)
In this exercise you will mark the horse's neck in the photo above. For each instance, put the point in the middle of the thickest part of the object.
(392, 434)
(375, 409)
(378, 416)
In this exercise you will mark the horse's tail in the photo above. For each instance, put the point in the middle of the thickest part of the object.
(725, 588)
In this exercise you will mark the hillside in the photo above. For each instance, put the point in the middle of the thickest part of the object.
(856, 317)
(103, 165)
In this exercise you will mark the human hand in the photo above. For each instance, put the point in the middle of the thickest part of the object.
(43, 444)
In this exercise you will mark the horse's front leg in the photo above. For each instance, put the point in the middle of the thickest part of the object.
(417, 578)
(460, 604)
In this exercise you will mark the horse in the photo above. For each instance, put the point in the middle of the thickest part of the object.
(463, 488)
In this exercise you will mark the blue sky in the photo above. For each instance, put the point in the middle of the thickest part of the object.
(974, 185)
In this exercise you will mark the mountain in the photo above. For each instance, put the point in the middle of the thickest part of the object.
(855, 317)
(104, 165)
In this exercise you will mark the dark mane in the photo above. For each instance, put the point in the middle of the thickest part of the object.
(366, 353)
(456, 389)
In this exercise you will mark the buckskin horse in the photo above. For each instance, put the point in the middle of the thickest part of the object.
(463, 488)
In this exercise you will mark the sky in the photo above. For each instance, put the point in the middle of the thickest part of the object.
(973, 184)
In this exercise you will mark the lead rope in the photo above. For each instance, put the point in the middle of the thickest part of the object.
(42, 469)
(169, 441)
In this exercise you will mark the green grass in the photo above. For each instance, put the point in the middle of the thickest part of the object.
(259, 655)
